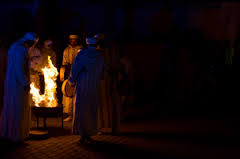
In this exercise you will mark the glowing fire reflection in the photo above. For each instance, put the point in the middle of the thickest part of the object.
(48, 99)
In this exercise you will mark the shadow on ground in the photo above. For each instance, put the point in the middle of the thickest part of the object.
(56, 132)
(197, 138)
(6, 146)
(42, 134)
(119, 151)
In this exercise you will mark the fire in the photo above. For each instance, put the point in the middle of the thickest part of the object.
(48, 99)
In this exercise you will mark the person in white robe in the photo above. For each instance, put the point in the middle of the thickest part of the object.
(86, 74)
(46, 51)
(15, 117)
(69, 55)
(109, 98)
(104, 107)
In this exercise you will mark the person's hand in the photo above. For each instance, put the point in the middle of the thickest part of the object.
(71, 84)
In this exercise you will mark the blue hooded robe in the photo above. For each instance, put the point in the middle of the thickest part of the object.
(86, 73)
(15, 116)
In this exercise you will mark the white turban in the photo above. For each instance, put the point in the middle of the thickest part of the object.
(96, 36)
(91, 40)
(73, 36)
(30, 36)
(48, 42)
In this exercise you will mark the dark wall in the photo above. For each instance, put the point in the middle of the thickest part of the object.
(171, 45)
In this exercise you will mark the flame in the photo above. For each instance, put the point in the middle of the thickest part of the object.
(37, 98)
(48, 99)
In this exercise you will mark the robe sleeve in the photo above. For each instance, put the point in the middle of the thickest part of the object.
(65, 57)
(20, 73)
(76, 69)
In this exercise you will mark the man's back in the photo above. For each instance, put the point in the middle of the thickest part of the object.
(92, 62)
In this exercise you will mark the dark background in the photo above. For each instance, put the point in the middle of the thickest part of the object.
(172, 46)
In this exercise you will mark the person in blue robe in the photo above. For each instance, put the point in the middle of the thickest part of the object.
(15, 116)
(86, 74)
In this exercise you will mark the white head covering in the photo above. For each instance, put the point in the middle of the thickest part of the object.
(48, 42)
(91, 40)
(30, 36)
(96, 36)
(72, 36)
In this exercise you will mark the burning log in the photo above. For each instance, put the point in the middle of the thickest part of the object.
(42, 84)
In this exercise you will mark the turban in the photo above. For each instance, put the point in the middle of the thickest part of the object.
(73, 37)
(30, 36)
(48, 42)
(91, 40)
(96, 36)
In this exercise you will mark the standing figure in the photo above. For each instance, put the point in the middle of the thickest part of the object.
(46, 51)
(125, 85)
(109, 99)
(104, 107)
(86, 73)
(113, 69)
(15, 117)
(3, 68)
(69, 55)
